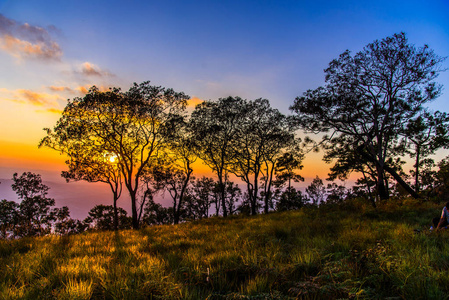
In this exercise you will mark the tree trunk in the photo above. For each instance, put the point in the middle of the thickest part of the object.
(135, 219)
(115, 212)
(402, 182)
(417, 169)
(181, 195)
(175, 213)
(381, 189)
(389, 170)
(222, 194)
(268, 189)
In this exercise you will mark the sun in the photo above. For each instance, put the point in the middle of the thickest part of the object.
(112, 158)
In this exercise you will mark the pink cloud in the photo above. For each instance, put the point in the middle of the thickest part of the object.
(27, 41)
(89, 69)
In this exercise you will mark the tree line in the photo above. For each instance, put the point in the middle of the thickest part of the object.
(370, 113)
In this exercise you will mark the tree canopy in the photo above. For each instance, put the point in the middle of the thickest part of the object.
(369, 97)
(133, 126)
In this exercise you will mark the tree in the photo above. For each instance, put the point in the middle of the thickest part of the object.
(178, 174)
(35, 213)
(174, 181)
(290, 199)
(65, 225)
(316, 191)
(102, 217)
(426, 133)
(215, 126)
(370, 97)
(9, 217)
(263, 136)
(233, 195)
(134, 126)
(93, 163)
(201, 196)
(155, 214)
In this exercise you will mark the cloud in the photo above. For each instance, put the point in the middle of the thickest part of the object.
(60, 88)
(28, 41)
(31, 97)
(84, 89)
(20, 48)
(51, 110)
(89, 69)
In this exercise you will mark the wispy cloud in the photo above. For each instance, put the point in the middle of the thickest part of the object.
(51, 110)
(89, 69)
(85, 89)
(60, 88)
(39, 99)
(28, 41)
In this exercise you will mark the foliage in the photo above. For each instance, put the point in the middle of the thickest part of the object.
(9, 217)
(368, 100)
(135, 126)
(249, 139)
(215, 126)
(156, 214)
(426, 134)
(290, 199)
(101, 217)
(35, 213)
(316, 191)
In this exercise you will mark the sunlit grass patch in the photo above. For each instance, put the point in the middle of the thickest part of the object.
(12, 291)
(77, 289)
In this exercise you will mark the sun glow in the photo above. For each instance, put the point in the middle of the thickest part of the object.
(110, 157)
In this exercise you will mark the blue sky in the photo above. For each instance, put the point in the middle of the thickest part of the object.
(54, 50)
(211, 49)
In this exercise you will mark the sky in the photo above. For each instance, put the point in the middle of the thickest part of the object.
(51, 51)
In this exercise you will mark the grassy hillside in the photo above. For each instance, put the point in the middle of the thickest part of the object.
(328, 253)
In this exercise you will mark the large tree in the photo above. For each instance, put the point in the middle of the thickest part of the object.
(370, 97)
(215, 125)
(134, 126)
(263, 136)
(424, 135)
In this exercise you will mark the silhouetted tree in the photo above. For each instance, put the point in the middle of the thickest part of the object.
(215, 125)
(370, 97)
(176, 173)
(290, 199)
(65, 225)
(201, 196)
(101, 217)
(442, 180)
(174, 181)
(263, 136)
(134, 126)
(156, 214)
(336, 194)
(426, 133)
(9, 218)
(35, 209)
(316, 191)
(233, 196)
